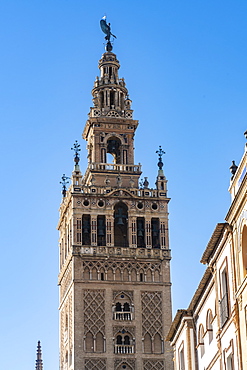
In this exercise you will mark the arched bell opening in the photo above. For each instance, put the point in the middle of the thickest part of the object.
(86, 230)
(140, 232)
(121, 225)
(113, 147)
(101, 230)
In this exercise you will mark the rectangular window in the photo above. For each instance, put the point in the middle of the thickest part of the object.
(181, 359)
(224, 304)
(229, 362)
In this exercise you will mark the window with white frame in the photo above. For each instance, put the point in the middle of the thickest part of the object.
(209, 325)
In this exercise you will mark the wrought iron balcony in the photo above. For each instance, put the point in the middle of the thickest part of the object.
(224, 309)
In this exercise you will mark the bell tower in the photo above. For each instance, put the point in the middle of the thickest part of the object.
(115, 299)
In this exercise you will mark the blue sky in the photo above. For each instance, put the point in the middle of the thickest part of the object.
(184, 63)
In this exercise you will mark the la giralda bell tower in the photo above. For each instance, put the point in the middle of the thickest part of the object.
(115, 301)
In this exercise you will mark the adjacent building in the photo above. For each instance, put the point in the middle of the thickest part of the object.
(212, 332)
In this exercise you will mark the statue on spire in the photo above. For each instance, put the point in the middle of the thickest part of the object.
(106, 28)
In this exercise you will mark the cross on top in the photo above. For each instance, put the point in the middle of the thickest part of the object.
(76, 149)
(160, 153)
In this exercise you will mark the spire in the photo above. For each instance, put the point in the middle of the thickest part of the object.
(161, 180)
(110, 127)
(39, 362)
(76, 149)
(76, 174)
(160, 153)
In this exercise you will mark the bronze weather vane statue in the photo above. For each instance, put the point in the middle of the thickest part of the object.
(106, 28)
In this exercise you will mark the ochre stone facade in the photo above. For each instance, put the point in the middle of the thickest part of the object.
(115, 300)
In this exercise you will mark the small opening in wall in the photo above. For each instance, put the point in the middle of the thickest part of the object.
(140, 205)
(141, 276)
(100, 203)
(102, 276)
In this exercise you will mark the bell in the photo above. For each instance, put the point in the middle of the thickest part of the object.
(120, 221)
(85, 227)
(139, 233)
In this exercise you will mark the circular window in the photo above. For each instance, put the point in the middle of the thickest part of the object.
(122, 296)
(124, 367)
(154, 206)
(101, 203)
(140, 205)
(86, 203)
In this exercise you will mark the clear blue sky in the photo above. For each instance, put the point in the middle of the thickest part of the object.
(185, 65)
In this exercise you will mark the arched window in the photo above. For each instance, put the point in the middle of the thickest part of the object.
(210, 325)
(99, 342)
(140, 232)
(155, 231)
(89, 342)
(123, 309)
(124, 343)
(244, 250)
(101, 231)
(113, 147)
(121, 225)
(147, 343)
(201, 340)
(157, 343)
(86, 230)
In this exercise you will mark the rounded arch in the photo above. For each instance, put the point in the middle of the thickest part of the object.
(201, 339)
(113, 135)
(209, 325)
(122, 306)
(124, 342)
(121, 224)
(113, 147)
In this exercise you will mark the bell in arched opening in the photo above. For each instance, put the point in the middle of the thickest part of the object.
(121, 225)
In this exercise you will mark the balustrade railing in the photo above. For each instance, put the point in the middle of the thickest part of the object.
(122, 316)
(114, 167)
(124, 349)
